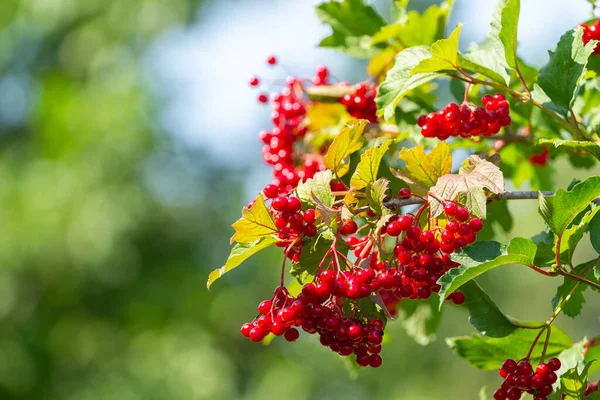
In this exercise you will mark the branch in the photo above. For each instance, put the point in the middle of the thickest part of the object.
(393, 203)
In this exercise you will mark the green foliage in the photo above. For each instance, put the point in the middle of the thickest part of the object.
(570, 294)
(353, 24)
(368, 167)
(561, 77)
(489, 353)
(376, 194)
(316, 189)
(481, 257)
(561, 209)
(484, 314)
(347, 142)
(399, 80)
(240, 253)
(444, 55)
(574, 382)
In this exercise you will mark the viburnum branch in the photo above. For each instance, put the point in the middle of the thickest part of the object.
(535, 341)
(578, 278)
(548, 332)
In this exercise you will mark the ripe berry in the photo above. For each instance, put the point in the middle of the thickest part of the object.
(271, 60)
(257, 334)
(509, 366)
(500, 394)
(309, 216)
(461, 214)
(375, 360)
(291, 335)
(271, 191)
(404, 193)
(458, 298)
(349, 227)
(554, 364)
(524, 367)
(253, 81)
(245, 329)
(263, 98)
(394, 228)
(279, 203)
(265, 307)
(476, 225)
(293, 204)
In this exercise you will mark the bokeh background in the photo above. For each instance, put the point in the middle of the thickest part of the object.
(128, 145)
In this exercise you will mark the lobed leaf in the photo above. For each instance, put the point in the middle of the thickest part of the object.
(347, 142)
(399, 80)
(561, 76)
(484, 314)
(561, 209)
(489, 353)
(255, 223)
(444, 55)
(573, 383)
(368, 167)
(476, 173)
(240, 253)
(376, 194)
(353, 23)
(422, 171)
(481, 257)
(573, 300)
(316, 187)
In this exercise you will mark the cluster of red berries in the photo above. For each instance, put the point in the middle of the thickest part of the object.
(319, 309)
(467, 120)
(361, 104)
(520, 377)
(592, 32)
(291, 221)
(288, 116)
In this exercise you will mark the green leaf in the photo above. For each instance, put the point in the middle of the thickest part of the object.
(444, 55)
(573, 145)
(561, 76)
(347, 142)
(573, 383)
(420, 319)
(399, 80)
(489, 353)
(508, 30)
(475, 201)
(375, 195)
(313, 253)
(484, 314)
(482, 60)
(317, 186)
(368, 167)
(476, 172)
(353, 23)
(572, 235)
(595, 233)
(481, 257)
(240, 253)
(574, 303)
(423, 170)
(561, 209)
(255, 223)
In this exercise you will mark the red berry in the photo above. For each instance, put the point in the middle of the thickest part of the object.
(524, 367)
(458, 298)
(375, 360)
(509, 366)
(551, 377)
(245, 329)
(476, 224)
(349, 227)
(293, 204)
(253, 81)
(554, 364)
(257, 334)
(309, 216)
(450, 209)
(265, 307)
(263, 98)
(513, 394)
(279, 203)
(500, 394)
(394, 228)
(271, 191)
(461, 214)
(271, 60)
(291, 335)
(404, 193)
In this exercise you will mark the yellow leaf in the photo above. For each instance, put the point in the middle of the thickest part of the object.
(255, 223)
(322, 115)
(368, 167)
(422, 170)
(348, 141)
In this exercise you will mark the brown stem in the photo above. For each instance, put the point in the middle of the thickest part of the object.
(578, 278)
(535, 341)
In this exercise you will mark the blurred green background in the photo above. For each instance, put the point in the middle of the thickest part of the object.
(127, 148)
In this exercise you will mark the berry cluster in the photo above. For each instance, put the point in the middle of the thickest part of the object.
(592, 32)
(520, 377)
(420, 258)
(319, 309)
(361, 104)
(291, 221)
(467, 120)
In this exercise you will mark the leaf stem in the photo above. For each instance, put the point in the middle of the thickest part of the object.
(535, 341)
